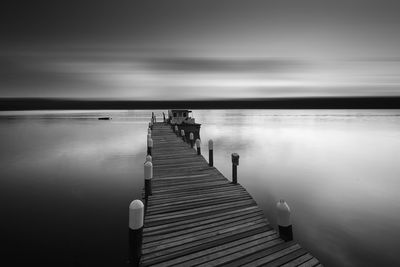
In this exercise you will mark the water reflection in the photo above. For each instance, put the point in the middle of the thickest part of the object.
(337, 169)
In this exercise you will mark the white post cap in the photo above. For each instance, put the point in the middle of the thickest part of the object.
(210, 144)
(191, 136)
(182, 132)
(283, 213)
(136, 214)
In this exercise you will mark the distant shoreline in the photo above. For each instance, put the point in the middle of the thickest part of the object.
(13, 104)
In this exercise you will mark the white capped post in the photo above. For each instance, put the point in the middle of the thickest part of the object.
(136, 217)
(149, 158)
(235, 163)
(283, 220)
(149, 146)
(191, 138)
(210, 153)
(198, 146)
(183, 134)
(148, 176)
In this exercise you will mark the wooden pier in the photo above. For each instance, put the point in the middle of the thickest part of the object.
(197, 217)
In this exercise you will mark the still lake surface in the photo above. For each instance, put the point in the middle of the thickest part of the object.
(67, 180)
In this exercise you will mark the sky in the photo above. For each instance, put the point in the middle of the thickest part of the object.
(145, 50)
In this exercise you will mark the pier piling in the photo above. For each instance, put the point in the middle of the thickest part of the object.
(148, 176)
(136, 216)
(235, 163)
(191, 138)
(198, 147)
(210, 153)
(283, 219)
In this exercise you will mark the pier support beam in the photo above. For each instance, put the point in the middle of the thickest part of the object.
(136, 216)
(210, 153)
(235, 163)
(284, 223)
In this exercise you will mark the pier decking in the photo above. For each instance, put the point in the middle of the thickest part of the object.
(196, 216)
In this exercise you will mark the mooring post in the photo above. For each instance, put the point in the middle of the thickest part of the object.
(210, 153)
(235, 163)
(148, 176)
(198, 146)
(149, 146)
(149, 158)
(191, 138)
(284, 224)
(136, 216)
(183, 135)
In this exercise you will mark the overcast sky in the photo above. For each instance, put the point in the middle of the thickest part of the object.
(199, 49)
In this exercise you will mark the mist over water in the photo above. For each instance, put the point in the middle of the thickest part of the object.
(67, 179)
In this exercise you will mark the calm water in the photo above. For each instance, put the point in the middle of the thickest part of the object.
(67, 180)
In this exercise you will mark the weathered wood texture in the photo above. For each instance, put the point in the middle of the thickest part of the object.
(196, 217)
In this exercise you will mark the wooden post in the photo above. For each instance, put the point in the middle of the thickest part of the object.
(284, 223)
(149, 146)
(148, 176)
(198, 146)
(210, 153)
(136, 216)
(183, 135)
(235, 163)
(191, 137)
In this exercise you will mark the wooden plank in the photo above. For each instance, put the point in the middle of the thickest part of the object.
(186, 260)
(298, 260)
(310, 263)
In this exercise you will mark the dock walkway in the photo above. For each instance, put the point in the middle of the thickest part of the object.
(197, 217)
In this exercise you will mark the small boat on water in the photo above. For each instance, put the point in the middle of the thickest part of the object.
(181, 118)
(104, 118)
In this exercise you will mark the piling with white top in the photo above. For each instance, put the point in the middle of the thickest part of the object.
(198, 146)
(149, 158)
(210, 153)
(149, 146)
(136, 217)
(183, 135)
(235, 163)
(148, 176)
(191, 138)
(283, 220)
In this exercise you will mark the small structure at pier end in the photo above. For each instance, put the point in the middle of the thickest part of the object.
(181, 118)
